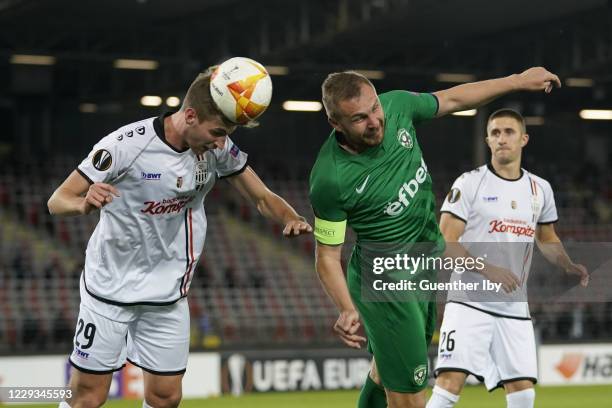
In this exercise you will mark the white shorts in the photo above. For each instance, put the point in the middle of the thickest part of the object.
(493, 349)
(154, 338)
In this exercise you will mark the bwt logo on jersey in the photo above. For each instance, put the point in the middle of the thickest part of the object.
(518, 230)
(81, 354)
(406, 191)
(166, 206)
(151, 176)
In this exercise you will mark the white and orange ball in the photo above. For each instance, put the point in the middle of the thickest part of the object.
(241, 88)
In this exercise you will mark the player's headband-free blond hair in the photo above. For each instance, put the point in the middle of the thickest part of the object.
(200, 99)
(508, 113)
(339, 86)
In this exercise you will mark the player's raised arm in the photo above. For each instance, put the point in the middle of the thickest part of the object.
(76, 196)
(475, 94)
(269, 204)
(552, 248)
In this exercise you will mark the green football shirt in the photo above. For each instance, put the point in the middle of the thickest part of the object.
(384, 193)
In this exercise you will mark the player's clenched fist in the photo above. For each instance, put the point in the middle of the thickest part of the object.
(346, 328)
(98, 195)
(537, 79)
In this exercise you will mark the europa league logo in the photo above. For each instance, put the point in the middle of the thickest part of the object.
(233, 375)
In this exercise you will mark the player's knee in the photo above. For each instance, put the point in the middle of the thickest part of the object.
(451, 381)
(168, 399)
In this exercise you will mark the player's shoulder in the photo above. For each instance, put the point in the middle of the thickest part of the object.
(474, 175)
(229, 147)
(131, 136)
(137, 131)
(539, 181)
(324, 175)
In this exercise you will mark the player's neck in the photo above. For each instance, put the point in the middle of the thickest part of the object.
(510, 171)
(347, 145)
(174, 132)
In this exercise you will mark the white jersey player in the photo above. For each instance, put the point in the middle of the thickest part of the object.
(493, 338)
(150, 180)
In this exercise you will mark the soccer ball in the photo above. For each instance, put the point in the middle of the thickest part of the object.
(241, 88)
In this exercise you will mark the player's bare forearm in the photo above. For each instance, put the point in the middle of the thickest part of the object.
(329, 270)
(551, 246)
(75, 196)
(475, 94)
(555, 253)
(274, 207)
(65, 203)
(269, 204)
(553, 250)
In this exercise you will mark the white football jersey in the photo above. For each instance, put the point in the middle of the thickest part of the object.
(148, 241)
(501, 217)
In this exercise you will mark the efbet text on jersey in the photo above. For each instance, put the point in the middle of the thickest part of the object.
(408, 189)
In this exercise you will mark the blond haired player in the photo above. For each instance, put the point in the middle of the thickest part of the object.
(149, 179)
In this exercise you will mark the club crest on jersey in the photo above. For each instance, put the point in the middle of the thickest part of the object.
(513, 204)
(420, 374)
(201, 172)
(179, 182)
(403, 137)
(102, 160)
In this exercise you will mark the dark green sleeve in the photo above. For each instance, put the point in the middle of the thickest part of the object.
(330, 217)
(325, 196)
(420, 106)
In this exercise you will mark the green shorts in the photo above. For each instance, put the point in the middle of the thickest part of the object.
(398, 334)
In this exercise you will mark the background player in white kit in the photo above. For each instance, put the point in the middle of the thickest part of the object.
(499, 203)
(149, 179)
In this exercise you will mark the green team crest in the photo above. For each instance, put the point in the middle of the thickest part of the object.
(404, 138)
(420, 374)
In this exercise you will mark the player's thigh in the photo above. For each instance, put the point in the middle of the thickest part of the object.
(99, 343)
(89, 390)
(162, 390)
(405, 400)
(397, 338)
(158, 339)
(374, 372)
(466, 335)
(514, 350)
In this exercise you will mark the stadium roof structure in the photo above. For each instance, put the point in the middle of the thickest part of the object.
(408, 40)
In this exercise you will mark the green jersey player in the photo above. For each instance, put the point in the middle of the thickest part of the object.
(370, 174)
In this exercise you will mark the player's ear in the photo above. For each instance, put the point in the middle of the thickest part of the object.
(524, 139)
(191, 117)
(334, 123)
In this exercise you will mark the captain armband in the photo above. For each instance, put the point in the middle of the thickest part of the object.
(329, 232)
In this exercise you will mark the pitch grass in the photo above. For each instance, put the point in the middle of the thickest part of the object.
(472, 397)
